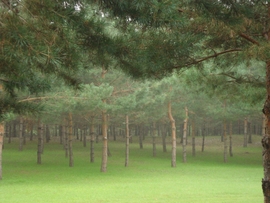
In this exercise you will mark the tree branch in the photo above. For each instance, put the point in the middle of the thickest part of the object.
(248, 38)
(213, 56)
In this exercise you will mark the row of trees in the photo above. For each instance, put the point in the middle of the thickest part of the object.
(42, 40)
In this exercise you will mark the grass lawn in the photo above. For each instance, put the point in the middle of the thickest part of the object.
(203, 179)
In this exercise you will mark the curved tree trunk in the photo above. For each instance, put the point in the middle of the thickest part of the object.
(173, 161)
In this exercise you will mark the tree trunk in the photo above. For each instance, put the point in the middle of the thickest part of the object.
(2, 132)
(193, 138)
(141, 131)
(225, 141)
(266, 136)
(127, 141)
(263, 125)
(154, 133)
(70, 138)
(48, 135)
(84, 136)
(245, 132)
(92, 139)
(105, 143)
(185, 137)
(249, 132)
(203, 137)
(21, 134)
(173, 161)
(230, 148)
(164, 135)
(40, 141)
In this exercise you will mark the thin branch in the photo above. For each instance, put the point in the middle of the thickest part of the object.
(212, 56)
(248, 38)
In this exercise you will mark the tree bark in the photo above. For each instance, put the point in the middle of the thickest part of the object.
(105, 143)
(154, 132)
(230, 148)
(127, 141)
(173, 161)
(164, 135)
(21, 134)
(2, 131)
(70, 138)
(203, 136)
(193, 138)
(245, 132)
(266, 137)
(40, 141)
(92, 140)
(225, 141)
(184, 144)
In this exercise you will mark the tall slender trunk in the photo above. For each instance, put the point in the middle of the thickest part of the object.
(127, 141)
(225, 141)
(2, 132)
(173, 161)
(266, 136)
(141, 131)
(203, 136)
(184, 144)
(21, 134)
(40, 141)
(249, 132)
(105, 143)
(154, 133)
(70, 138)
(230, 148)
(92, 140)
(164, 135)
(245, 132)
(193, 138)
(263, 125)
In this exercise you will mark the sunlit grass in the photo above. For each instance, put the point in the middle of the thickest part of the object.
(204, 178)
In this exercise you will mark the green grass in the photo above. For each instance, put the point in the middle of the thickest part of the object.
(203, 179)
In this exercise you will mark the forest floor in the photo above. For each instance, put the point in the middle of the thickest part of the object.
(204, 178)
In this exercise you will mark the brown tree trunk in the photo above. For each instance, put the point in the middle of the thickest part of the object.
(266, 136)
(173, 161)
(127, 141)
(230, 148)
(225, 141)
(245, 132)
(105, 143)
(193, 138)
(2, 132)
(154, 134)
(164, 135)
(184, 144)
(92, 139)
(70, 138)
(141, 131)
(40, 141)
(203, 136)
(21, 134)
